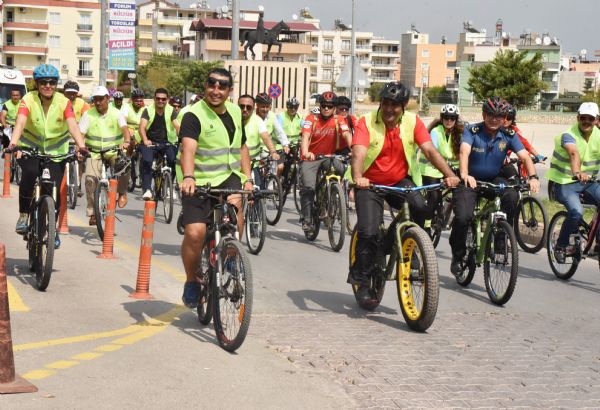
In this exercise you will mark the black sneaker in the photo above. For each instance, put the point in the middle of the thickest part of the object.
(456, 266)
(560, 254)
(363, 294)
(191, 294)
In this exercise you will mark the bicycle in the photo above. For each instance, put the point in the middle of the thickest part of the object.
(491, 242)
(530, 216)
(329, 204)
(290, 175)
(73, 184)
(411, 262)
(163, 182)
(442, 217)
(224, 273)
(267, 171)
(101, 191)
(41, 229)
(255, 219)
(581, 243)
(15, 168)
(350, 207)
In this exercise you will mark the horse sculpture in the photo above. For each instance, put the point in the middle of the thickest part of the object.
(250, 38)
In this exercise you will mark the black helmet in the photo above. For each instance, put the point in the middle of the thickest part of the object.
(511, 114)
(263, 98)
(327, 97)
(292, 102)
(495, 106)
(343, 100)
(137, 93)
(175, 100)
(396, 92)
(71, 86)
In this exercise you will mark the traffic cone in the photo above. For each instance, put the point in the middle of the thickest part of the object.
(63, 226)
(10, 382)
(142, 285)
(109, 222)
(6, 184)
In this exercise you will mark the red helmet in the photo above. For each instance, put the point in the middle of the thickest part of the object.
(495, 106)
(327, 97)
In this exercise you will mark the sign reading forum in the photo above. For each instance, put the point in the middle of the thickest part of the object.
(121, 35)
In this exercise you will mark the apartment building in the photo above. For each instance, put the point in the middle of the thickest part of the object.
(63, 33)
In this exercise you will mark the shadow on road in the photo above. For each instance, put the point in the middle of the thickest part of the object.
(88, 235)
(548, 276)
(19, 269)
(450, 283)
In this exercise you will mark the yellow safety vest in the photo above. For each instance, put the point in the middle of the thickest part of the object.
(133, 121)
(13, 109)
(168, 113)
(444, 148)
(253, 139)
(589, 153)
(291, 127)
(78, 106)
(104, 131)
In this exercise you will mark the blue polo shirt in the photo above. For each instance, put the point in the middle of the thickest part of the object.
(488, 153)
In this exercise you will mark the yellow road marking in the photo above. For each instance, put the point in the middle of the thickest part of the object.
(14, 300)
(108, 348)
(86, 356)
(75, 339)
(38, 374)
(62, 364)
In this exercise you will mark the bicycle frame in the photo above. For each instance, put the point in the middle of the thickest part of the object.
(491, 212)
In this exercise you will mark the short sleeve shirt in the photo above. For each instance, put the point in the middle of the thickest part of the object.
(191, 127)
(390, 167)
(325, 136)
(488, 153)
(157, 132)
(68, 113)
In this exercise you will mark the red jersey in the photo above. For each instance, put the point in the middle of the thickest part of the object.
(524, 141)
(68, 113)
(325, 135)
(390, 167)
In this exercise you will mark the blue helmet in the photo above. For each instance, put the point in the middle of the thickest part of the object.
(45, 71)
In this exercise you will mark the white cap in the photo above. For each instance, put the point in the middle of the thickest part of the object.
(99, 91)
(71, 90)
(588, 108)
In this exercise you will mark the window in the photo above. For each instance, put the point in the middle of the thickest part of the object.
(225, 56)
(149, 16)
(424, 66)
(327, 58)
(346, 45)
(54, 41)
(328, 44)
(313, 72)
(54, 18)
(10, 40)
(9, 61)
(85, 68)
(425, 53)
(274, 58)
(55, 62)
(85, 18)
(345, 60)
(85, 42)
(327, 74)
(449, 53)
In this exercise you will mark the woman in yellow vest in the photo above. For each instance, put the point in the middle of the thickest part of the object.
(8, 115)
(384, 152)
(576, 154)
(446, 132)
(46, 122)
(104, 127)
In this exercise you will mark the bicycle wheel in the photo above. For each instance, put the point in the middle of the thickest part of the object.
(204, 274)
(351, 217)
(336, 217)
(232, 306)
(32, 243)
(417, 280)
(73, 185)
(45, 247)
(273, 203)
(296, 191)
(437, 226)
(501, 263)
(13, 166)
(18, 173)
(180, 225)
(530, 224)
(377, 281)
(565, 270)
(166, 195)
(100, 205)
(468, 262)
(132, 175)
(312, 234)
(256, 226)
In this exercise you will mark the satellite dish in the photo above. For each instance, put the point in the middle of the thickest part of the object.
(546, 41)
(224, 9)
(555, 40)
(294, 17)
(220, 15)
(538, 41)
(261, 7)
(583, 52)
(504, 35)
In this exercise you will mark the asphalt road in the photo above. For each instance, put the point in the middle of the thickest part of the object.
(85, 343)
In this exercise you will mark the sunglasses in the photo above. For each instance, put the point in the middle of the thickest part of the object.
(327, 107)
(448, 117)
(244, 107)
(47, 82)
(343, 108)
(223, 84)
(161, 99)
(176, 106)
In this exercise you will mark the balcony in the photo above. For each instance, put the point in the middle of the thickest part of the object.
(26, 25)
(551, 66)
(25, 48)
(385, 66)
(451, 85)
(85, 27)
(85, 50)
(384, 53)
(552, 87)
(84, 73)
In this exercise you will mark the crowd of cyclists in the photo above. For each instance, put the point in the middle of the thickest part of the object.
(212, 140)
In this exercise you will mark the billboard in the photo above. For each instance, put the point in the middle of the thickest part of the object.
(121, 35)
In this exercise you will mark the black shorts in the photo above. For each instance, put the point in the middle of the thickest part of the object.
(199, 210)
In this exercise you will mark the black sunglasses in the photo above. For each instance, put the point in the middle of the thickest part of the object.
(222, 83)
(47, 82)
(449, 117)
(246, 107)
(343, 108)
(327, 106)
(161, 99)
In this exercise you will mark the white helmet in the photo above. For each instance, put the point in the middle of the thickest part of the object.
(315, 110)
(450, 110)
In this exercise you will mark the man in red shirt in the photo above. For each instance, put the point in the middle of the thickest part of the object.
(384, 152)
(322, 134)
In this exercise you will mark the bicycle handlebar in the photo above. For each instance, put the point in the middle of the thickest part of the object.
(404, 190)
(34, 153)
(534, 159)
(593, 179)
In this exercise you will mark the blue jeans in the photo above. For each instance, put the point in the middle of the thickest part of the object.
(569, 196)
(148, 154)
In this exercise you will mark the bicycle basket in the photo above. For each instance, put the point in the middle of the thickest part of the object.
(122, 165)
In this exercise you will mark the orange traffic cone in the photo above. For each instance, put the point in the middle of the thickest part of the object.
(63, 225)
(142, 285)
(109, 222)
(6, 184)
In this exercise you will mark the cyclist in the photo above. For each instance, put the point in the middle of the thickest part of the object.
(132, 112)
(482, 152)
(117, 101)
(175, 102)
(8, 115)
(446, 132)
(44, 121)
(384, 152)
(104, 127)
(342, 108)
(322, 134)
(157, 127)
(576, 154)
(213, 151)
(255, 129)
(71, 91)
(263, 110)
(290, 121)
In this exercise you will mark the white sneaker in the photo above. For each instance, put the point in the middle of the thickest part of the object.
(147, 195)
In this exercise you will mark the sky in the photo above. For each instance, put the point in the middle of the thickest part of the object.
(575, 23)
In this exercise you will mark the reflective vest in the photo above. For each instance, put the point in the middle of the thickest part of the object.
(291, 127)
(589, 153)
(171, 133)
(216, 158)
(377, 139)
(79, 106)
(182, 113)
(253, 139)
(444, 148)
(49, 133)
(133, 121)
(104, 131)
(270, 123)
(13, 109)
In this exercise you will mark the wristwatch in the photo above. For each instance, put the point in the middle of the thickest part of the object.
(533, 177)
(250, 180)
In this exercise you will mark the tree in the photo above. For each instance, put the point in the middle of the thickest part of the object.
(436, 93)
(511, 75)
(374, 91)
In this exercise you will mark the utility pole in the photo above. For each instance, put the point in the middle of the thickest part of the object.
(235, 29)
(352, 62)
(103, 62)
(155, 27)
